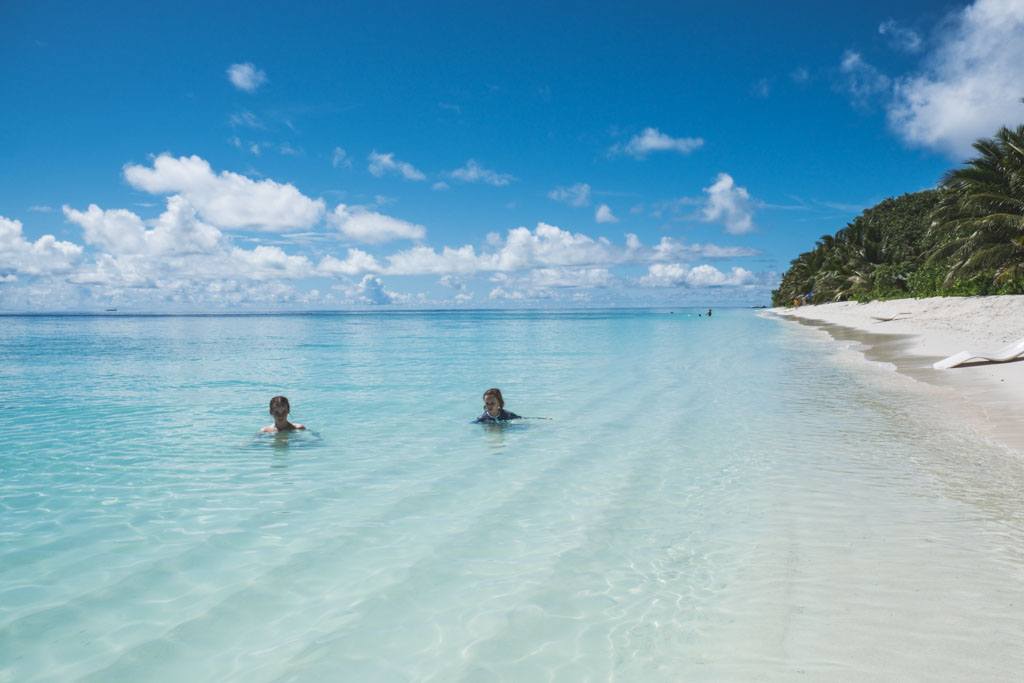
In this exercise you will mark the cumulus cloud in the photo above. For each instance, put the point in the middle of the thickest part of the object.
(971, 84)
(246, 77)
(569, 277)
(382, 164)
(46, 255)
(267, 263)
(177, 230)
(900, 37)
(574, 195)
(363, 225)
(547, 246)
(522, 249)
(422, 260)
(678, 275)
(502, 294)
(604, 215)
(371, 290)
(227, 200)
(355, 263)
(653, 140)
(473, 172)
(729, 204)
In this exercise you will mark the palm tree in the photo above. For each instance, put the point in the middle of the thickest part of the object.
(982, 215)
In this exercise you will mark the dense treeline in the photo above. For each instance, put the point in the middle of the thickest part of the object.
(964, 238)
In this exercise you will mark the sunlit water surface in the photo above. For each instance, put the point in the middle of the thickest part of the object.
(710, 498)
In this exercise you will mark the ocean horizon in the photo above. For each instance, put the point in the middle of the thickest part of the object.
(704, 498)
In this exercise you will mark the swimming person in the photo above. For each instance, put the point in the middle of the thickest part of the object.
(279, 408)
(494, 408)
(709, 312)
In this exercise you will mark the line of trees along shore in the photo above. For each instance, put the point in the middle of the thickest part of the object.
(964, 238)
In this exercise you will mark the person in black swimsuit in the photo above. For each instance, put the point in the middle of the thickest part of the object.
(494, 408)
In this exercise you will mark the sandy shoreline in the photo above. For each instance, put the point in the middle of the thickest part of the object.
(911, 334)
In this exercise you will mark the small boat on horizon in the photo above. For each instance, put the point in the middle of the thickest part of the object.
(111, 310)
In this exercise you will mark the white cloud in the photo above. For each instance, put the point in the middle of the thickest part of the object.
(245, 119)
(422, 260)
(133, 271)
(653, 140)
(381, 164)
(678, 275)
(547, 246)
(604, 215)
(669, 249)
(355, 263)
(862, 81)
(439, 186)
(246, 76)
(544, 283)
(762, 89)
(227, 200)
(574, 195)
(900, 37)
(502, 294)
(971, 84)
(452, 282)
(177, 231)
(372, 291)
(800, 75)
(522, 249)
(363, 225)
(40, 208)
(570, 277)
(730, 204)
(46, 255)
(339, 158)
(267, 263)
(473, 172)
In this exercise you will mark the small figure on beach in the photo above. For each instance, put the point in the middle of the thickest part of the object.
(279, 408)
(494, 408)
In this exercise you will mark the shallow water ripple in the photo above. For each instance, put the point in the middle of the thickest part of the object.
(713, 499)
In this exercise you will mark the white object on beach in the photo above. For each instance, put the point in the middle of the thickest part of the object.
(1011, 352)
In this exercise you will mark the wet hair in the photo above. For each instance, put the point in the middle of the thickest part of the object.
(279, 402)
(496, 393)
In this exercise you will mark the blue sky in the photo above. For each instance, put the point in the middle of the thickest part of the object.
(180, 156)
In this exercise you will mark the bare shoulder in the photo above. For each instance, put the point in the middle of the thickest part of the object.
(299, 426)
(269, 429)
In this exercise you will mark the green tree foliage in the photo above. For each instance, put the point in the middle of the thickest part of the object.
(965, 238)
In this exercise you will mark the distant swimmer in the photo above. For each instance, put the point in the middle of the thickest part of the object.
(279, 408)
(494, 408)
(709, 312)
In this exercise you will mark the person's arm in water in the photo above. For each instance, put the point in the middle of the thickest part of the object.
(289, 427)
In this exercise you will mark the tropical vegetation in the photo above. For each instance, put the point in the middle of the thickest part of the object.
(966, 237)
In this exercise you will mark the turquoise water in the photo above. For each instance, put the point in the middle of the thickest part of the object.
(710, 499)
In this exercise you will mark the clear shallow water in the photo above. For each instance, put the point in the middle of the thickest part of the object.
(711, 498)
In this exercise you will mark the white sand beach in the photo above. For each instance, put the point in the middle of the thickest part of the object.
(911, 334)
